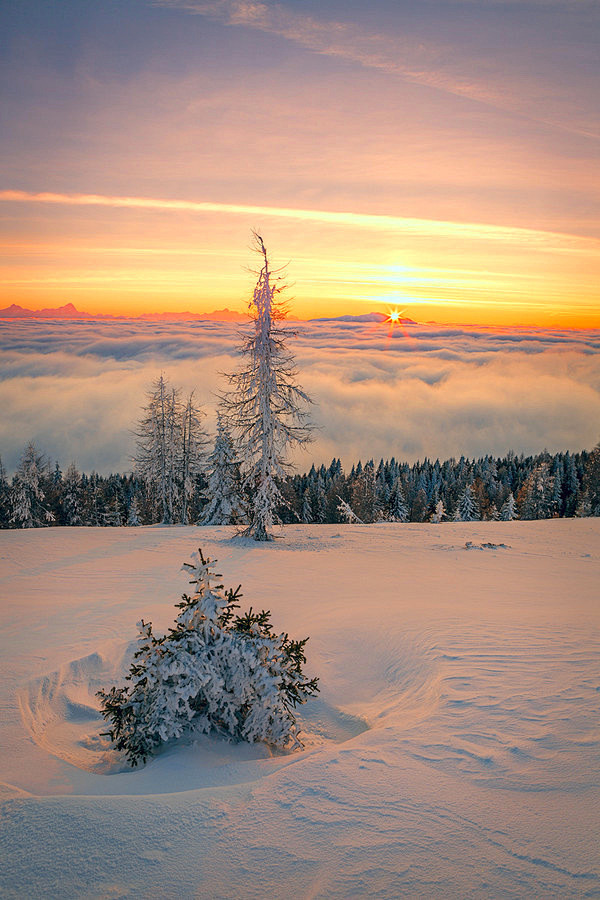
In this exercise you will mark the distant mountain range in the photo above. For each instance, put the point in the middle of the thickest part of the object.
(71, 312)
(68, 311)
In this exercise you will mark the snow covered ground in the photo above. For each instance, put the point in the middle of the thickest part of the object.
(454, 749)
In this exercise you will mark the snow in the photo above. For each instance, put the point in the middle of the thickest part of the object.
(454, 748)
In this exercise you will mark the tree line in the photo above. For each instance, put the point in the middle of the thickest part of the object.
(207, 488)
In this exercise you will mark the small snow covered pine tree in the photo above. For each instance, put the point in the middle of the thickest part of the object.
(225, 504)
(509, 509)
(72, 505)
(466, 510)
(27, 497)
(214, 671)
(307, 513)
(438, 513)
(191, 454)
(133, 513)
(535, 497)
(398, 507)
(113, 516)
(263, 407)
(157, 447)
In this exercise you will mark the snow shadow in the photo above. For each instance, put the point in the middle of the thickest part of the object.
(61, 713)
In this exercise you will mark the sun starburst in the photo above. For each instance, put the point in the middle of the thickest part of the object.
(394, 317)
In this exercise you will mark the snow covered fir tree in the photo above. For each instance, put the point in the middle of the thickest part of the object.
(467, 509)
(264, 407)
(28, 507)
(215, 671)
(224, 493)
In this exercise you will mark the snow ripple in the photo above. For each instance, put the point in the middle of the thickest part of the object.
(519, 712)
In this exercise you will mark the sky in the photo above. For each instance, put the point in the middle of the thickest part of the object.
(438, 157)
(77, 388)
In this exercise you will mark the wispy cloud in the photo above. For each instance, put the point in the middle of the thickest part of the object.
(422, 61)
(414, 226)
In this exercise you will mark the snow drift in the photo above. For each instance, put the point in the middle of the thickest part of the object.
(454, 748)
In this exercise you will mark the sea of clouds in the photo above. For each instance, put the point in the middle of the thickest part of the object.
(77, 387)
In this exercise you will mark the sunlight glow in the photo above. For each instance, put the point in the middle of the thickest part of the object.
(195, 258)
(394, 316)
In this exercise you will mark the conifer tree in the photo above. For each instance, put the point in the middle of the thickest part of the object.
(72, 507)
(4, 497)
(214, 671)
(307, 515)
(398, 507)
(571, 484)
(591, 480)
(584, 506)
(419, 507)
(438, 513)
(96, 508)
(264, 405)
(28, 507)
(536, 494)
(493, 513)
(133, 513)
(363, 494)
(113, 516)
(320, 499)
(466, 510)
(191, 454)
(170, 450)
(509, 509)
(156, 459)
(224, 491)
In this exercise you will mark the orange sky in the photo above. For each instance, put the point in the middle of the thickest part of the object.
(441, 163)
(145, 260)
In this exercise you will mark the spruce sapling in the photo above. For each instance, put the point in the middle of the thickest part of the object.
(215, 671)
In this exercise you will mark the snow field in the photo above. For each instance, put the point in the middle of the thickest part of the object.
(453, 749)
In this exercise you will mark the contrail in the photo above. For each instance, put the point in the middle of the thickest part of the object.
(430, 227)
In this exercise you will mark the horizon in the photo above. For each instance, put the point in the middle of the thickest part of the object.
(389, 317)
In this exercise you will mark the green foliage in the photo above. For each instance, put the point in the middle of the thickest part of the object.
(214, 671)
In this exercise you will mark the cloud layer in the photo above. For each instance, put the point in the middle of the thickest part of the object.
(77, 388)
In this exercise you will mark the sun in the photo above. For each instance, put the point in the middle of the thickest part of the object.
(394, 317)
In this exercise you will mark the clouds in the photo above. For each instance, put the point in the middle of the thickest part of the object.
(76, 388)
(529, 237)
(409, 52)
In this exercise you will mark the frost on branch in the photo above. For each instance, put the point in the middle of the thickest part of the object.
(265, 407)
(214, 672)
